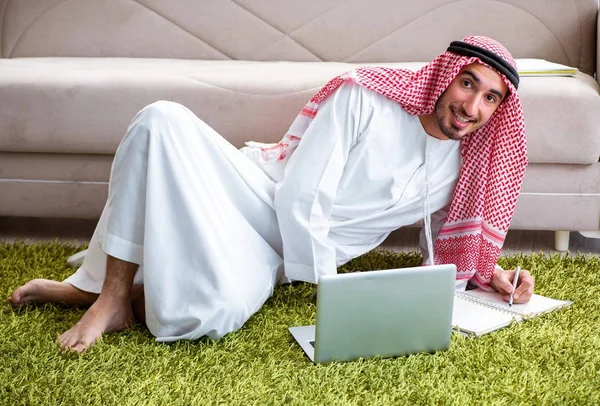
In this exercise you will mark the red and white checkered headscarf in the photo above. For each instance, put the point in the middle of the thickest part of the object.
(494, 157)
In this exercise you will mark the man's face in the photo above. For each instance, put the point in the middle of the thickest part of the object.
(469, 101)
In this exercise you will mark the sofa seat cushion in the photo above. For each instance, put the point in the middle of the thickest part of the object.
(83, 105)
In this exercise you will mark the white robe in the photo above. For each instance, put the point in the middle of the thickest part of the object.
(213, 232)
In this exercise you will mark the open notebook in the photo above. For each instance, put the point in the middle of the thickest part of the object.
(477, 312)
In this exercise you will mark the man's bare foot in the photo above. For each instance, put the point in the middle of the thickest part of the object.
(138, 302)
(47, 291)
(107, 314)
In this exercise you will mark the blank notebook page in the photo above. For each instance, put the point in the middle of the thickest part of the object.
(478, 319)
(536, 305)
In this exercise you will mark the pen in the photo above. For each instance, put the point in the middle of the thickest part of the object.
(515, 280)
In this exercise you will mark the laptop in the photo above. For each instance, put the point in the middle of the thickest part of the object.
(380, 313)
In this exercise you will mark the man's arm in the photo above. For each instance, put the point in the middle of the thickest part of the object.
(305, 196)
(501, 281)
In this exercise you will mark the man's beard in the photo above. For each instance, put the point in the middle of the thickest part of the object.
(448, 130)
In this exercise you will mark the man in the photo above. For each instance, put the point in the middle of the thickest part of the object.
(195, 234)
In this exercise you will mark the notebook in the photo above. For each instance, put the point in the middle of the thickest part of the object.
(477, 312)
(541, 67)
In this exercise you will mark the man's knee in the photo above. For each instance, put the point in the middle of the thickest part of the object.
(159, 119)
(161, 111)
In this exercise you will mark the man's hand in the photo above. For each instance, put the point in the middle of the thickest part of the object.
(502, 282)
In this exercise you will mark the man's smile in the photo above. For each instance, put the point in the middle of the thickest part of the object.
(460, 121)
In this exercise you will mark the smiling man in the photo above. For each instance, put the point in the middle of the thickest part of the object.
(195, 233)
(467, 104)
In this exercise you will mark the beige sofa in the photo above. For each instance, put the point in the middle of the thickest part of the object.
(73, 73)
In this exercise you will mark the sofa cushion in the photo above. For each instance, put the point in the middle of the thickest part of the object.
(76, 186)
(83, 105)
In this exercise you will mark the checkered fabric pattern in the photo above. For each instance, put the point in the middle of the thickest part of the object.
(494, 157)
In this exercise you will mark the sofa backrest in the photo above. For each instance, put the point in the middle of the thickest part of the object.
(562, 31)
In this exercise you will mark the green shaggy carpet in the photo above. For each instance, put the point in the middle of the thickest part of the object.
(552, 359)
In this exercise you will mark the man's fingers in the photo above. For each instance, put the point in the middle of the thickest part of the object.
(503, 283)
(524, 289)
(523, 297)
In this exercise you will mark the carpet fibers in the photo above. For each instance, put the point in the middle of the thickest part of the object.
(552, 359)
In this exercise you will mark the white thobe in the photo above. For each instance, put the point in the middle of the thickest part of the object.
(212, 229)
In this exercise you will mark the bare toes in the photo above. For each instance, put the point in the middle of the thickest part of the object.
(70, 343)
(17, 298)
(64, 340)
(79, 348)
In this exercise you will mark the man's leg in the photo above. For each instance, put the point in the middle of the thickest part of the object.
(112, 310)
(204, 233)
(92, 281)
(115, 251)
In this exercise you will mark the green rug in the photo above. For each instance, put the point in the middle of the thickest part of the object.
(552, 359)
